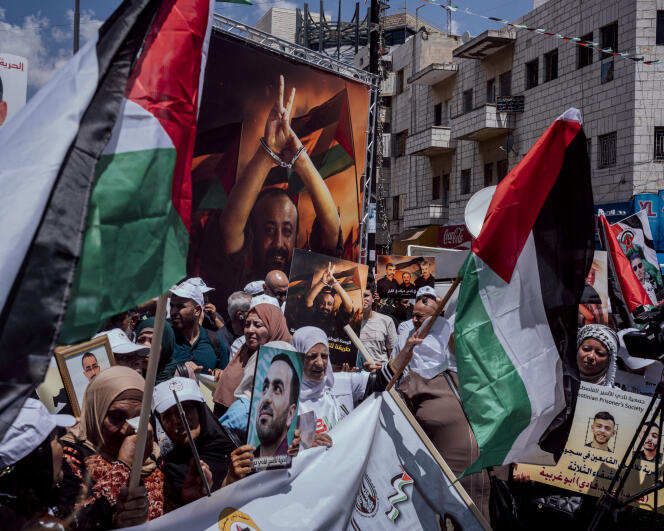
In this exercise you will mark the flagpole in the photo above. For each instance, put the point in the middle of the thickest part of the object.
(146, 406)
(424, 331)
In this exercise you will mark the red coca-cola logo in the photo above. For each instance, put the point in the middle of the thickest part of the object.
(453, 236)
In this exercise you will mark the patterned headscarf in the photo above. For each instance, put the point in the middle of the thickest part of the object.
(609, 339)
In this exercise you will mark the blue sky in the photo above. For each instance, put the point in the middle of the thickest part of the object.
(42, 30)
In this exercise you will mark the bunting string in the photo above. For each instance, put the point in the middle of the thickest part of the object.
(541, 31)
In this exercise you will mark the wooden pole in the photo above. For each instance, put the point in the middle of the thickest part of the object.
(422, 333)
(358, 344)
(146, 406)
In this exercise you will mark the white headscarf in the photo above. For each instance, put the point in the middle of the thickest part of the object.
(304, 340)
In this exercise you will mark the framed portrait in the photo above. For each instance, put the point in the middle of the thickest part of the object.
(274, 405)
(80, 364)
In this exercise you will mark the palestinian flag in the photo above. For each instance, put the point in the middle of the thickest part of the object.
(97, 183)
(326, 132)
(515, 327)
(625, 291)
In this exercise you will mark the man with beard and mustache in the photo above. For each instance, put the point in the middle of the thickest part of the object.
(319, 305)
(258, 228)
(649, 450)
(277, 407)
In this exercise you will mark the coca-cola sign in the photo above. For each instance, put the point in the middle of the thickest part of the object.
(454, 237)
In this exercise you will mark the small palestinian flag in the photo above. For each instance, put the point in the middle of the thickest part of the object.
(515, 327)
(625, 291)
(98, 185)
(326, 132)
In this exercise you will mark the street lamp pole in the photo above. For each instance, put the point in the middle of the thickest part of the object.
(77, 23)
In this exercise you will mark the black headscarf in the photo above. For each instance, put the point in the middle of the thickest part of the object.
(214, 446)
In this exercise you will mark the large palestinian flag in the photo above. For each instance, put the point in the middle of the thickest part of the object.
(515, 327)
(97, 183)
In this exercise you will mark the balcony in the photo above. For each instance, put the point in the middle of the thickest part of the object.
(388, 85)
(387, 145)
(431, 214)
(485, 44)
(434, 74)
(482, 123)
(435, 140)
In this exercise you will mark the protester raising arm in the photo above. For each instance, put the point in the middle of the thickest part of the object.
(327, 279)
(278, 138)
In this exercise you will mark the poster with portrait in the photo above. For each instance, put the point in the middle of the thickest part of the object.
(595, 307)
(79, 365)
(13, 85)
(278, 160)
(604, 423)
(399, 277)
(274, 405)
(327, 293)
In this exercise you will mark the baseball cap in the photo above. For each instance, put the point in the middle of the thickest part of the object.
(189, 290)
(197, 281)
(255, 287)
(186, 388)
(426, 290)
(121, 344)
(30, 428)
(264, 299)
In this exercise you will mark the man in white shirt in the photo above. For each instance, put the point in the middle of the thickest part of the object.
(378, 333)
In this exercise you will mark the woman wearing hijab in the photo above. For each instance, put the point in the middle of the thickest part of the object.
(213, 443)
(331, 395)
(597, 351)
(264, 323)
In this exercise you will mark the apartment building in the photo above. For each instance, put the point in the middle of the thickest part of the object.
(448, 139)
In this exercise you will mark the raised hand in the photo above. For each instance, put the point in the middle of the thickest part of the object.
(278, 133)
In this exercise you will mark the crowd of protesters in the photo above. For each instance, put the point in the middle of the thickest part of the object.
(61, 471)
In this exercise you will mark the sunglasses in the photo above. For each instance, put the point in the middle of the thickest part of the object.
(637, 266)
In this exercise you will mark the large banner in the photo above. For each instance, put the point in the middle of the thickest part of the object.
(327, 293)
(379, 474)
(604, 423)
(13, 84)
(256, 195)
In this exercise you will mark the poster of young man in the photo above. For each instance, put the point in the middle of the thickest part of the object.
(280, 150)
(604, 423)
(399, 277)
(327, 293)
(594, 307)
(274, 401)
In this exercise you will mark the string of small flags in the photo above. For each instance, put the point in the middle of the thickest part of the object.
(574, 40)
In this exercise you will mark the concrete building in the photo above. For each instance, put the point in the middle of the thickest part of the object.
(448, 140)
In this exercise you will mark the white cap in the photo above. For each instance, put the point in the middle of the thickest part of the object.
(186, 388)
(30, 428)
(426, 290)
(255, 287)
(189, 290)
(197, 281)
(121, 344)
(264, 299)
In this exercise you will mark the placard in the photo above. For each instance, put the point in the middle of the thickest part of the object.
(399, 277)
(510, 103)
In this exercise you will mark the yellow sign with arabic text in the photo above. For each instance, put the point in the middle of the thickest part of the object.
(604, 423)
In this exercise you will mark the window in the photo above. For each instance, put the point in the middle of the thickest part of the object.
(606, 156)
(589, 146)
(438, 114)
(659, 144)
(468, 101)
(435, 188)
(607, 71)
(609, 38)
(551, 65)
(584, 54)
(387, 127)
(386, 102)
(502, 167)
(446, 113)
(659, 38)
(395, 207)
(532, 74)
(488, 174)
(465, 181)
(505, 80)
(400, 144)
(399, 87)
(491, 91)
(446, 190)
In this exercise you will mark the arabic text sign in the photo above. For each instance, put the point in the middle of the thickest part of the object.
(13, 84)
(604, 424)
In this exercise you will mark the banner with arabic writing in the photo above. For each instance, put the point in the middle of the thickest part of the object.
(604, 424)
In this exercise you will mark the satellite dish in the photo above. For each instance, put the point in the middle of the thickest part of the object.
(509, 143)
(476, 209)
(465, 37)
